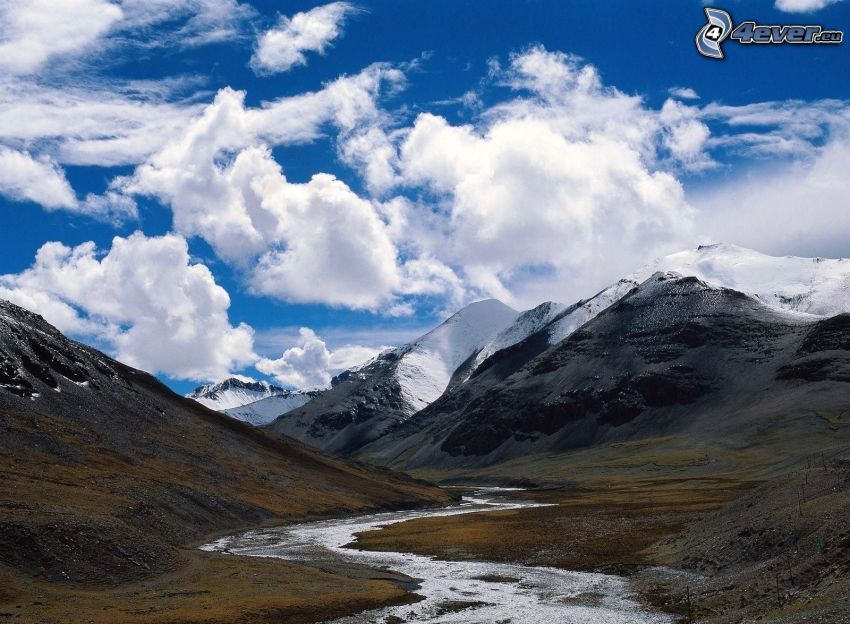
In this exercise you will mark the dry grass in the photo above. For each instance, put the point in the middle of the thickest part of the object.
(210, 589)
(586, 529)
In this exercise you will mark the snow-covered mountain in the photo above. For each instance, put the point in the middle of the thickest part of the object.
(817, 286)
(426, 365)
(232, 393)
(814, 286)
(675, 355)
(524, 325)
(265, 410)
(488, 342)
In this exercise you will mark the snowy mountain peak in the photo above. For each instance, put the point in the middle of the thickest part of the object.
(233, 392)
(815, 286)
(426, 365)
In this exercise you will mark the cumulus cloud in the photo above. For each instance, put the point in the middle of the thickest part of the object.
(284, 47)
(144, 298)
(803, 6)
(544, 185)
(562, 185)
(335, 249)
(315, 241)
(310, 362)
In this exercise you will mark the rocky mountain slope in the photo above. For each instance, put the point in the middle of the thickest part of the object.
(106, 472)
(363, 403)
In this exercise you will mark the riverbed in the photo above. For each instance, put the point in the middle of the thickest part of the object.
(453, 591)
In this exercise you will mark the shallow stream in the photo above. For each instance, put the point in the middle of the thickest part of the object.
(454, 591)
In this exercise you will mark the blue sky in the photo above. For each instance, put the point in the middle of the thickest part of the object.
(296, 185)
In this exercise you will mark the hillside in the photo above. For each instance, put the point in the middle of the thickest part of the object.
(106, 472)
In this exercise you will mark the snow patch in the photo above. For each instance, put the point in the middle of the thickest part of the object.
(818, 286)
(426, 366)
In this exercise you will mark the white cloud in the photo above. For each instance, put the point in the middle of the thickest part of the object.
(144, 298)
(798, 208)
(315, 241)
(49, 34)
(24, 178)
(282, 48)
(778, 129)
(803, 6)
(37, 31)
(335, 248)
(105, 125)
(211, 21)
(110, 206)
(374, 152)
(685, 135)
(42, 181)
(544, 186)
(311, 363)
(683, 93)
(188, 23)
(550, 193)
(109, 124)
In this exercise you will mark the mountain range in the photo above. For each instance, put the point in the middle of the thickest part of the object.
(661, 352)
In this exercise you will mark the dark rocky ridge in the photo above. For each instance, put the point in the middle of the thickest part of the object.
(359, 408)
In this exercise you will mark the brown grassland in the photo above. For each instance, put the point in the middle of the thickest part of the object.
(206, 588)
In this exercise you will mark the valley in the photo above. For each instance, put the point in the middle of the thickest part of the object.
(682, 449)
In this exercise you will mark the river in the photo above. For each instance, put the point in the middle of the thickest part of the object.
(454, 591)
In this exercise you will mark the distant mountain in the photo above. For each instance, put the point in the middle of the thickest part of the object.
(363, 403)
(233, 392)
(265, 410)
(106, 473)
